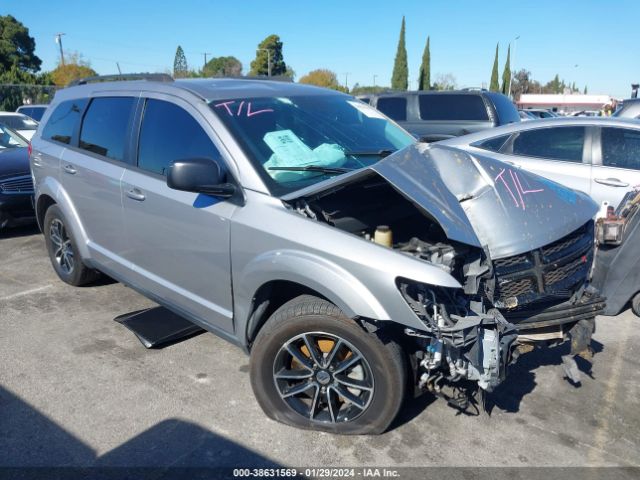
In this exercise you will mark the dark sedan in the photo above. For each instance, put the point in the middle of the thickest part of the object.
(16, 186)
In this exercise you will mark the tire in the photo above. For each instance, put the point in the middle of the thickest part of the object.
(635, 304)
(63, 251)
(288, 379)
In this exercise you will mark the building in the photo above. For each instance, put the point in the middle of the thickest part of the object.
(565, 103)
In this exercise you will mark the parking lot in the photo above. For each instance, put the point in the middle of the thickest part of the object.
(78, 389)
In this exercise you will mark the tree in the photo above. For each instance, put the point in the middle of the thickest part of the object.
(18, 87)
(494, 86)
(554, 86)
(222, 67)
(358, 89)
(444, 81)
(74, 68)
(585, 90)
(323, 78)
(180, 67)
(16, 46)
(269, 49)
(424, 77)
(400, 76)
(506, 74)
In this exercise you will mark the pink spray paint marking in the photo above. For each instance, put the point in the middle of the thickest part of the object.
(238, 113)
(517, 185)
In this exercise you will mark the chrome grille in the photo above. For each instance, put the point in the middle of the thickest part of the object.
(17, 185)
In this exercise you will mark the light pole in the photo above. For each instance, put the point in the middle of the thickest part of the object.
(59, 42)
(205, 58)
(268, 59)
(374, 80)
(513, 61)
(346, 80)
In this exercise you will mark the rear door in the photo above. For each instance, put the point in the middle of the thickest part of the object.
(90, 172)
(562, 154)
(178, 242)
(616, 167)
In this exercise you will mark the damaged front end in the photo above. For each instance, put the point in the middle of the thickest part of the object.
(520, 246)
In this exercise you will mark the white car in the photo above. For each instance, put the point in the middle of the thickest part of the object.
(598, 156)
(24, 125)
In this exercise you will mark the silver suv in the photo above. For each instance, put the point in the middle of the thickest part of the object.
(278, 216)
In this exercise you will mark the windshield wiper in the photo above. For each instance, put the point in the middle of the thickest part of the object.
(313, 168)
(378, 153)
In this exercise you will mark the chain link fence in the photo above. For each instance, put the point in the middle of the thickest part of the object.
(14, 95)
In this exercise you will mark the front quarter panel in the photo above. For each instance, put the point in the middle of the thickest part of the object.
(270, 242)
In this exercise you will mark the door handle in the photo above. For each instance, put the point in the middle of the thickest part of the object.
(69, 169)
(135, 194)
(611, 182)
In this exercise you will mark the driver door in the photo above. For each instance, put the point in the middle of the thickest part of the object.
(178, 242)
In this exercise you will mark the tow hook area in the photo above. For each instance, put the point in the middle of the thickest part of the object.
(458, 360)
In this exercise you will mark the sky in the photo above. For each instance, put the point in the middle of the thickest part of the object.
(590, 42)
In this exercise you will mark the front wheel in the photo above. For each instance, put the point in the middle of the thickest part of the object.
(313, 367)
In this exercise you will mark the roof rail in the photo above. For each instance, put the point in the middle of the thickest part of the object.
(156, 77)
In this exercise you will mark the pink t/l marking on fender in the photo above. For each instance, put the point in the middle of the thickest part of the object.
(251, 114)
(526, 191)
(516, 183)
(226, 105)
(499, 177)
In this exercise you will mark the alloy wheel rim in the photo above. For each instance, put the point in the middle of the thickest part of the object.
(61, 245)
(323, 378)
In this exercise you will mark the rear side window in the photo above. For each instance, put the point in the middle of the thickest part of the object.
(105, 126)
(621, 148)
(452, 107)
(506, 110)
(393, 107)
(493, 144)
(561, 143)
(169, 134)
(18, 122)
(63, 121)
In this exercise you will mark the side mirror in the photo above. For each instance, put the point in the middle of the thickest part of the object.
(199, 175)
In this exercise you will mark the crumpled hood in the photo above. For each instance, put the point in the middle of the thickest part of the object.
(14, 162)
(482, 201)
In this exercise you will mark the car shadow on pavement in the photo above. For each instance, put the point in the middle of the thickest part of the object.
(23, 231)
(174, 448)
(521, 376)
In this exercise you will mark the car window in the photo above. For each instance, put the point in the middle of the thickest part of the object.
(493, 144)
(18, 122)
(621, 148)
(561, 143)
(452, 107)
(506, 110)
(35, 112)
(63, 121)
(104, 128)
(393, 107)
(169, 133)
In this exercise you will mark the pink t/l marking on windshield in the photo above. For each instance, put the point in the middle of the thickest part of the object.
(226, 105)
(251, 114)
(526, 191)
(240, 108)
(516, 183)
(499, 177)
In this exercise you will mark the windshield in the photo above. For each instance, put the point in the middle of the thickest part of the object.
(297, 141)
(10, 139)
(19, 122)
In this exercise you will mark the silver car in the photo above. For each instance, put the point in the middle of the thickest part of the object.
(305, 227)
(599, 156)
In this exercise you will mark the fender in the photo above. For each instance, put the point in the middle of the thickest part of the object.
(52, 187)
(321, 275)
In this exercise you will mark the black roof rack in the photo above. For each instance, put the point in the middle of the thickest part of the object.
(156, 77)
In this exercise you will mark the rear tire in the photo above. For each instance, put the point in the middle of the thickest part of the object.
(63, 251)
(313, 367)
(635, 304)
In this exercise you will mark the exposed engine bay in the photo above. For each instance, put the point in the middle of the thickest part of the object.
(470, 334)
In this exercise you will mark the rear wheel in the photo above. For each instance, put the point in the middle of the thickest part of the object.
(313, 367)
(62, 249)
(635, 304)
